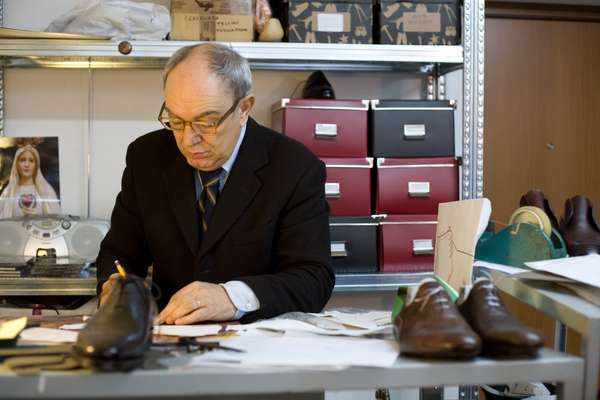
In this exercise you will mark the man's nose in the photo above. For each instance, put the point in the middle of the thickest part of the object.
(190, 137)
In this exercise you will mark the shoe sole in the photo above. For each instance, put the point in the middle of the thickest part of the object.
(109, 364)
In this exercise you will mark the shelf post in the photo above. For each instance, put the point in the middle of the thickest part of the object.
(473, 74)
(2, 77)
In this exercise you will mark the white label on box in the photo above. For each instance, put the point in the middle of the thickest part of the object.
(330, 22)
(422, 246)
(422, 22)
(338, 249)
(418, 189)
(415, 131)
(328, 131)
(332, 189)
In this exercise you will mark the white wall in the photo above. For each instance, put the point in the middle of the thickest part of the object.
(112, 107)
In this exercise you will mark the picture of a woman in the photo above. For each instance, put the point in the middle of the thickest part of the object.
(27, 192)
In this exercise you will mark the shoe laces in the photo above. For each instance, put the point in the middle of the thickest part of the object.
(441, 302)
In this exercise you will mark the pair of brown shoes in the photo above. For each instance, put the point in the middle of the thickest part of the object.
(578, 226)
(433, 326)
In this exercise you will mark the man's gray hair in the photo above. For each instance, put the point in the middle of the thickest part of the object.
(223, 61)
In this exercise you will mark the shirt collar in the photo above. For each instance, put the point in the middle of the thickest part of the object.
(226, 166)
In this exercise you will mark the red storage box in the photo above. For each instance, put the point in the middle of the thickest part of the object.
(330, 128)
(415, 185)
(406, 243)
(348, 186)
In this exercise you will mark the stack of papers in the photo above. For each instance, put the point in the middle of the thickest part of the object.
(579, 274)
(332, 340)
(585, 269)
(329, 323)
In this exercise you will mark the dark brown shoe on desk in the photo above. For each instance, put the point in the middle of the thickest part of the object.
(502, 335)
(120, 332)
(580, 228)
(536, 198)
(431, 326)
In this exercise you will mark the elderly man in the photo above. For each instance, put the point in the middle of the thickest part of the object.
(231, 215)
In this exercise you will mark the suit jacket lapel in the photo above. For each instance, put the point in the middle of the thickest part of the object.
(179, 183)
(241, 187)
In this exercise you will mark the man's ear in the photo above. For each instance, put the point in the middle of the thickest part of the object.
(246, 105)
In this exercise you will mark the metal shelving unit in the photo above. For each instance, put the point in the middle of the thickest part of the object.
(153, 54)
(434, 61)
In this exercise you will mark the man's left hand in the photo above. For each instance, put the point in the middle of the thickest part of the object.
(197, 302)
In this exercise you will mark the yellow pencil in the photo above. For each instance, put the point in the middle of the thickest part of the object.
(120, 268)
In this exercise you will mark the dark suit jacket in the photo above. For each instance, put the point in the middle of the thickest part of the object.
(269, 228)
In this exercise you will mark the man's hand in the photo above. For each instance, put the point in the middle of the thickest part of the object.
(196, 302)
(107, 286)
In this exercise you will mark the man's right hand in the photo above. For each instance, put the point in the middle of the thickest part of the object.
(107, 287)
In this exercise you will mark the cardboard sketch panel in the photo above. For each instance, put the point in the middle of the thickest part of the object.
(420, 23)
(29, 176)
(329, 21)
(460, 224)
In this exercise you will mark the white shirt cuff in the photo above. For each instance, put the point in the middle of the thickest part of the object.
(242, 297)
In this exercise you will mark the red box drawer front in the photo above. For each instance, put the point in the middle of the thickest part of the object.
(406, 243)
(415, 186)
(329, 128)
(348, 185)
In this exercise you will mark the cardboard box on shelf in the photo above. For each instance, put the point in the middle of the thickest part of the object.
(328, 21)
(220, 20)
(419, 22)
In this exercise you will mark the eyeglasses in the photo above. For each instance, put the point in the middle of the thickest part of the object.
(202, 128)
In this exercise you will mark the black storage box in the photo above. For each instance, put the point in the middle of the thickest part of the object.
(420, 22)
(328, 21)
(412, 128)
(353, 244)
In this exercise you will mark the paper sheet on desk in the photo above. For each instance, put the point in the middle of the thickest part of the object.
(47, 335)
(584, 269)
(262, 351)
(366, 320)
(294, 326)
(187, 330)
(522, 273)
(168, 330)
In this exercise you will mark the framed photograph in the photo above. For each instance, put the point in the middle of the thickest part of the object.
(29, 176)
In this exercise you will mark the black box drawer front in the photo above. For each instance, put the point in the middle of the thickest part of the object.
(353, 244)
(412, 128)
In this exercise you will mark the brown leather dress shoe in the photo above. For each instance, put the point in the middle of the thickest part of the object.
(536, 198)
(580, 228)
(501, 333)
(431, 326)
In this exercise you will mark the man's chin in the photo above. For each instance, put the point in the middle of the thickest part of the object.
(203, 164)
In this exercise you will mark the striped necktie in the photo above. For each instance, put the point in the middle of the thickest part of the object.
(209, 195)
